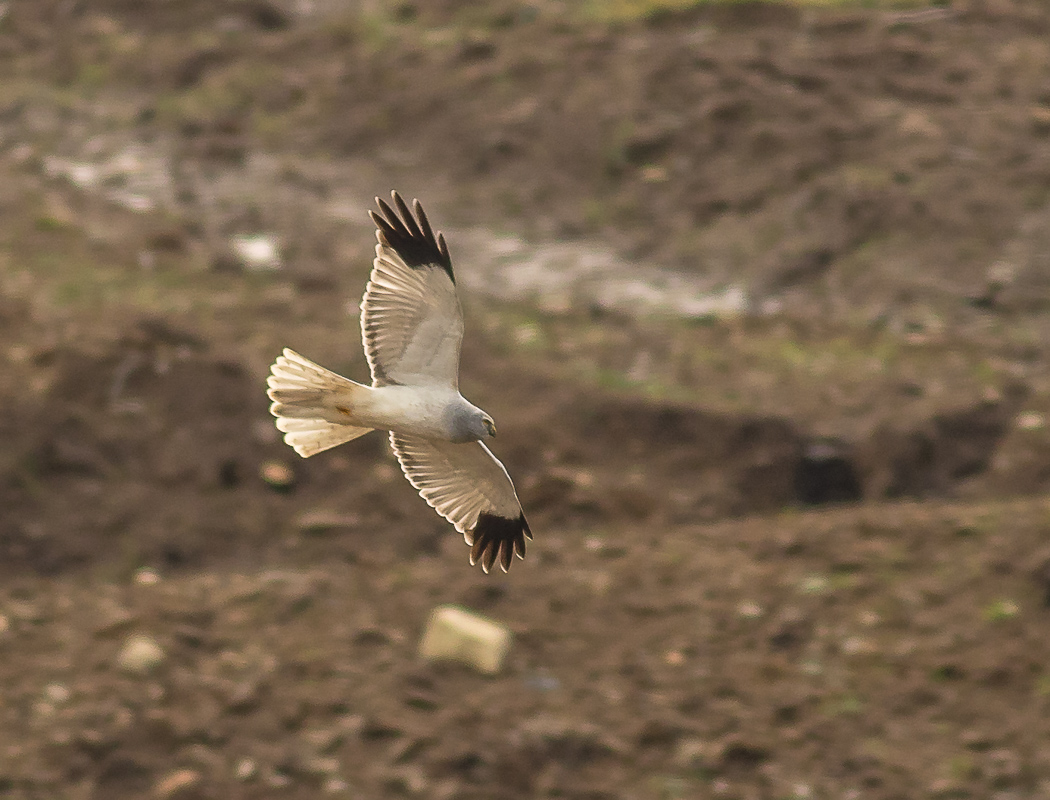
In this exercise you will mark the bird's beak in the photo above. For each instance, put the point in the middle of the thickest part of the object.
(492, 428)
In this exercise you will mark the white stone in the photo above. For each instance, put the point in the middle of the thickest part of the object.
(140, 655)
(258, 253)
(455, 634)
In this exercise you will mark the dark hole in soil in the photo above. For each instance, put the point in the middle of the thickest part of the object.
(826, 474)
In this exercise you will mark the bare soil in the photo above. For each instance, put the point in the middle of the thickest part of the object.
(797, 551)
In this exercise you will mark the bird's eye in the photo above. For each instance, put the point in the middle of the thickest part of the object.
(490, 426)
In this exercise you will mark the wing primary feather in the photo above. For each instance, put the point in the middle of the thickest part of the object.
(496, 537)
(443, 249)
(407, 219)
(391, 220)
(413, 239)
(506, 553)
(427, 231)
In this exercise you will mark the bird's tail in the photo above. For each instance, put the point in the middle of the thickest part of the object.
(314, 406)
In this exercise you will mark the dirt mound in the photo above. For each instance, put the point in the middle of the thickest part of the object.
(154, 452)
(157, 452)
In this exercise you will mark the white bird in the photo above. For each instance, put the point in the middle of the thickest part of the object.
(412, 327)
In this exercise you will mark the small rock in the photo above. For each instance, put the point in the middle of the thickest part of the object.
(594, 544)
(320, 521)
(455, 634)
(749, 610)
(146, 577)
(335, 785)
(654, 173)
(692, 753)
(256, 253)
(919, 124)
(57, 693)
(324, 740)
(246, 769)
(857, 645)
(176, 784)
(1001, 274)
(278, 475)
(322, 765)
(814, 584)
(1040, 119)
(674, 658)
(1030, 421)
(140, 655)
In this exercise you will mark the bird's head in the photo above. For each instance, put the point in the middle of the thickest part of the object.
(470, 424)
(488, 425)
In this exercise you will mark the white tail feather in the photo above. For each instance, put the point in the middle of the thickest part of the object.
(314, 406)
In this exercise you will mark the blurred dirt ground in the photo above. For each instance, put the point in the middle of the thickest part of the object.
(796, 547)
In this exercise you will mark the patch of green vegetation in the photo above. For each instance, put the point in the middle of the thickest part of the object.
(866, 176)
(1042, 685)
(49, 223)
(379, 25)
(737, 366)
(376, 28)
(614, 153)
(814, 584)
(58, 268)
(650, 388)
(234, 89)
(597, 212)
(962, 768)
(823, 584)
(844, 704)
(999, 610)
(627, 10)
(93, 76)
(672, 787)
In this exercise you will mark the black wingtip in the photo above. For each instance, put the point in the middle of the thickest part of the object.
(497, 538)
(410, 234)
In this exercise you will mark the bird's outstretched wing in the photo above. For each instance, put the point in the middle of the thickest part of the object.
(469, 487)
(411, 320)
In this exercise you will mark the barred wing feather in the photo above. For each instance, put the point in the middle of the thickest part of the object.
(411, 319)
(468, 486)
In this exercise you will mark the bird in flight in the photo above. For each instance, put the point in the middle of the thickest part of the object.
(412, 327)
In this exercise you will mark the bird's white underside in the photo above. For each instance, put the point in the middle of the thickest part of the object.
(459, 481)
(411, 323)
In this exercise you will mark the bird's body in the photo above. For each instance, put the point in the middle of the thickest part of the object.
(436, 413)
(412, 328)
